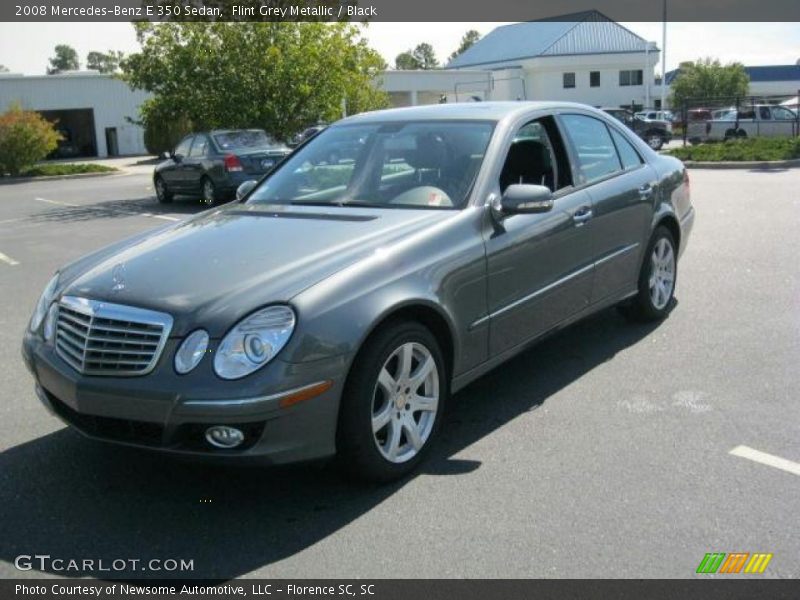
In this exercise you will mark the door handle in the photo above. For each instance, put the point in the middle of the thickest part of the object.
(645, 191)
(583, 214)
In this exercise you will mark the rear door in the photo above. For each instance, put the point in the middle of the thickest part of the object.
(196, 163)
(539, 265)
(622, 187)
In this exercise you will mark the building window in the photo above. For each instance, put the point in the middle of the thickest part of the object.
(634, 77)
(594, 78)
(569, 80)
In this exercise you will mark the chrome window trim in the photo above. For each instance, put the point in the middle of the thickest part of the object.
(117, 312)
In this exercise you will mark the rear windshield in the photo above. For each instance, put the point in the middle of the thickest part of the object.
(249, 138)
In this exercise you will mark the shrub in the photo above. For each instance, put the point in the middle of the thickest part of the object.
(25, 138)
(162, 134)
(749, 149)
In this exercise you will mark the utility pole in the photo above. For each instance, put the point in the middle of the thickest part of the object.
(664, 59)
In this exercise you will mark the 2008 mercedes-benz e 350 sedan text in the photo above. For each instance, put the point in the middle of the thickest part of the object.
(336, 305)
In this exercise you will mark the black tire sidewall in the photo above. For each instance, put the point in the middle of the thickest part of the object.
(357, 452)
(166, 197)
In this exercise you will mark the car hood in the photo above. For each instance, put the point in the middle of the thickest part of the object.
(218, 266)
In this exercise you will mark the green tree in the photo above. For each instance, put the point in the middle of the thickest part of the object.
(105, 62)
(280, 77)
(65, 59)
(25, 138)
(421, 57)
(707, 78)
(467, 40)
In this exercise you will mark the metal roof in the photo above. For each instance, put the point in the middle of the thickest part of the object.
(589, 32)
(760, 74)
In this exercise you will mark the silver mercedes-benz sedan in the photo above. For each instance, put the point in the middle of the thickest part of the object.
(333, 308)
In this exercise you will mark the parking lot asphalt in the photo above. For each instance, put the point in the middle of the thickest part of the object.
(604, 451)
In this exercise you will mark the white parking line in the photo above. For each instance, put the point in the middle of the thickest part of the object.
(767, 459)
(8, 260)
(54, 202)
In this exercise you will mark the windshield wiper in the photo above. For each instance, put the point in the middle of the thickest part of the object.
(337, 203)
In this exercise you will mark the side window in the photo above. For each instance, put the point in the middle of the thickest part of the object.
(763, 112)
(782, 114)
(182, 149)
(199, 147)
(537, 156)
(628, 156)
(596, 153)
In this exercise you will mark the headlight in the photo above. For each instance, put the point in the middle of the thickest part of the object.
(49, 330)
(44, 303)
(191, 351)
(254, 342)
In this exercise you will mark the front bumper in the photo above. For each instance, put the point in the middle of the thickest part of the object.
(170, 412)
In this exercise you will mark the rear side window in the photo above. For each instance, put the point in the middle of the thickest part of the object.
(200, 146)
(628, 156)
(596, 154)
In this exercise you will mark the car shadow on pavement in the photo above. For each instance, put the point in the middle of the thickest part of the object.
(71, 498)
(117, 209)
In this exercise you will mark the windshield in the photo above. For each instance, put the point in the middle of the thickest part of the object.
(246, 138)
(417, 164)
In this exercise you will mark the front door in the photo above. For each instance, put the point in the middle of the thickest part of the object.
(539, 265)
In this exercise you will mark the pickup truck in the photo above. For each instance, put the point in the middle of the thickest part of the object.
(759, 120)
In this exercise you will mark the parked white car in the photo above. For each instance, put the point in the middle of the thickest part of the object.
(656, 115)
(760, 120)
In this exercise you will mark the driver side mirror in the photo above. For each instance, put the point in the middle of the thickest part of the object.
(245, 188)
(523, 198)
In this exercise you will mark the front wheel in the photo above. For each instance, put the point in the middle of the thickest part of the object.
(656, 279)
(392, 404)
(163, 195)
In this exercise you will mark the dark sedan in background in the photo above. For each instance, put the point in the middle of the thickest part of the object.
(213, 164)
(337, 305)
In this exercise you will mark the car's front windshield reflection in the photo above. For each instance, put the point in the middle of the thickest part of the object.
(416, 164)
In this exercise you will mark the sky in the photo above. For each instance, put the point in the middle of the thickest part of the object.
(26, 47)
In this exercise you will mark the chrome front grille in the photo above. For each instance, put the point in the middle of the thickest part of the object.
(101, 338)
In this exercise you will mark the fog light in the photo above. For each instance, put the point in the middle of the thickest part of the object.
(223, 436)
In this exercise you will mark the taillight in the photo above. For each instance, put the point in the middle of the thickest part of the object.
(232, 163)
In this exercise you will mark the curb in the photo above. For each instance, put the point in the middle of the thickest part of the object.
(12, 180)
(745, 164)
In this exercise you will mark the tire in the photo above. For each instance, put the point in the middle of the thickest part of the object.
(730, 134)
(380, 436)
(163, 195)
(659, 268)
(655, 141)
(208, 191)
(741, 134)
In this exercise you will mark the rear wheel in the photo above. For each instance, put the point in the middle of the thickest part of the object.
(393, 403)
(209, 191)
(656, 279)
(163, 195)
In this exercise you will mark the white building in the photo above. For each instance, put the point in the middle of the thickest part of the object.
(585, 57)
(93, 111)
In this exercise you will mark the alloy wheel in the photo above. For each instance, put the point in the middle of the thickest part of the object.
(654, 142)
(405, 402)
(662, 273)
(208, 192)
(161, 191)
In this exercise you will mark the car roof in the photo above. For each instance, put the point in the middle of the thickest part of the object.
(461, 111)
